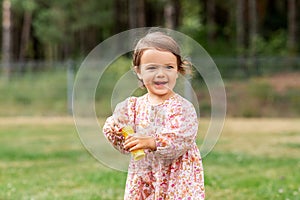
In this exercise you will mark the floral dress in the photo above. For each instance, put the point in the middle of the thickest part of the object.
(174, 170)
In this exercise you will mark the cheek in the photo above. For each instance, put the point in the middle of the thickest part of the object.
(173, 75)
(147, 79)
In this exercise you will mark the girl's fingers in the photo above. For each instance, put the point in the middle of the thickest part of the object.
(114, 129)
(134, 143)
(128, 139)
(130, 146)
(136, 147)
(130, 142)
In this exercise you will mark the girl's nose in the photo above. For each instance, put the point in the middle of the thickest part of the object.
(160, 72)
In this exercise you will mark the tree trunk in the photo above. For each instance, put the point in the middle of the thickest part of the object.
(25, 35)
(240, 26)
(252, 26)
(240, 35)
(292, 26)
(169, 13)
(120, 16)
(136, 13)
(253, 35)
(141, 13)
(6, 38)
(211, 23)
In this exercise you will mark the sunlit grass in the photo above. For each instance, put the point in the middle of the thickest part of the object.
(49, 162)
(42, 158)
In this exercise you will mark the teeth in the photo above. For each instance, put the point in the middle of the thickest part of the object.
(160, 83)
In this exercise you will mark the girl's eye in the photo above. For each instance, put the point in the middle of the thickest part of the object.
(151, 67)
(169, 67)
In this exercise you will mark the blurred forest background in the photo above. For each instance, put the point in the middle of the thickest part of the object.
(255, 45)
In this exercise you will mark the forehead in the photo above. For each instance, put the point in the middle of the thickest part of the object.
(158, 56)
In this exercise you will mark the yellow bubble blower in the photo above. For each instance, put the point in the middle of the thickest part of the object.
(137, 154)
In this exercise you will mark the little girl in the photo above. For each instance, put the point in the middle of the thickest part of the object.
(165, 124)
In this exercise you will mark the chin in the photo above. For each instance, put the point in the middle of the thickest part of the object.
(166, 93)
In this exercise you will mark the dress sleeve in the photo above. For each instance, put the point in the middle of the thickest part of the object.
(179, 134)
(122, 116)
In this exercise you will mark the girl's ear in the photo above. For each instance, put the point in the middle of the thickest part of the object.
(137, 71)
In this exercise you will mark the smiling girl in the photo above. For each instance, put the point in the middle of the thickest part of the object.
(165, 124)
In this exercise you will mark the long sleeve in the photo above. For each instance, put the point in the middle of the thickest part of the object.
(122, 116)
(179, 133)
(115, 139)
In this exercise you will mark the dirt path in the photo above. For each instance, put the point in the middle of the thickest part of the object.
(35, 120)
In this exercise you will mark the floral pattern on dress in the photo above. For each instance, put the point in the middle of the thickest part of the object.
(174, 170)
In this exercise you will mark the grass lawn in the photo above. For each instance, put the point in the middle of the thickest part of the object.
(42, 158)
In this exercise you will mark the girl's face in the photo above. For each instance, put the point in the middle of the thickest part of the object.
(159, 71)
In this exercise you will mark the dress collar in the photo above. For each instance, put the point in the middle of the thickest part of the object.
(162, 103)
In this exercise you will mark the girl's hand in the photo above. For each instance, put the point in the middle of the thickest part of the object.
(115, 126)
(139, 142)
(114, 129)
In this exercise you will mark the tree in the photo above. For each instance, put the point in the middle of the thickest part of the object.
(6, 37)
(240, 26)
(211, 23)
(57, 30)
(120, 15)
(252, 26)
(240, 33)
(28, 7)
(72, 27)
(172, 14)
(253, 36)
(292, 26)
(136, 13)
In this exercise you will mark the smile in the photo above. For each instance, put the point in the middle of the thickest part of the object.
(160, 82)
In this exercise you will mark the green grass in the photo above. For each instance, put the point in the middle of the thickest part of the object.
(42, 159)
(43, 93)
(49, 162)
(251, 177)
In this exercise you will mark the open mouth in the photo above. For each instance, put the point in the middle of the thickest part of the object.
(160, 83)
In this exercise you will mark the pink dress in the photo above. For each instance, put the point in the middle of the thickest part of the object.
(174, 170)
